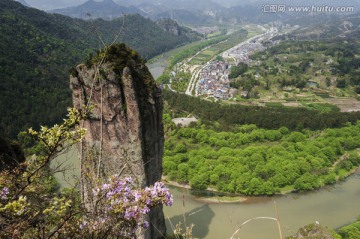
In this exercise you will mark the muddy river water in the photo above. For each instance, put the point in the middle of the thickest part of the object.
(332, 206)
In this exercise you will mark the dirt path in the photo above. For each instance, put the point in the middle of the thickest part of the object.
(184, 121)
(345, 104)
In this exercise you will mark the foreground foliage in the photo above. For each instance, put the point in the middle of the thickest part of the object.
(32, 207)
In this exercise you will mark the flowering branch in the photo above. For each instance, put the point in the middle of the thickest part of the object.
(121, 208)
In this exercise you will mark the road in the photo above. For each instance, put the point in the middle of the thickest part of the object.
(194, 76)
(196, 72)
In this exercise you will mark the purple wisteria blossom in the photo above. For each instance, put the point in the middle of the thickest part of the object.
(4, 193)
(123, 207)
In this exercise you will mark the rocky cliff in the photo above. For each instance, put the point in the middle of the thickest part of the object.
(174, 28)
(124, 131)
(171, 26)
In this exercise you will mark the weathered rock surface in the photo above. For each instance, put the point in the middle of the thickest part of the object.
(170, 26)
(174, 28)
(124, 132)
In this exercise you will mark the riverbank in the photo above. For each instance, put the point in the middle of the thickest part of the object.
(219, 220)
(238, 198)
(224, 198)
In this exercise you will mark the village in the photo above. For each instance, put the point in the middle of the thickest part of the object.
(214, 76)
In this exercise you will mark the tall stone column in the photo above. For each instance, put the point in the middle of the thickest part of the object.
(124, 131)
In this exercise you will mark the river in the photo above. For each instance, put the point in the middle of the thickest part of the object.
(332, 206)
(157, 68)
(159, 63)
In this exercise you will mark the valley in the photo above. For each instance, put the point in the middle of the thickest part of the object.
(317, 94)
(243, 109)
(267, 81)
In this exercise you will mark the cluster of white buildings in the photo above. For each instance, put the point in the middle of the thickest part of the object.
(214, 77)
(214, 80)
(243, 53)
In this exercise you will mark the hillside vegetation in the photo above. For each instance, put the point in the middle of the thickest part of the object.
(254, 161)
(265, 117)
(258, 150)
(38, 49)
(351, 231)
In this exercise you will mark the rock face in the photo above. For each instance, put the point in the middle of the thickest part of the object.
(170, 26)
(124, 131)
(174, 28)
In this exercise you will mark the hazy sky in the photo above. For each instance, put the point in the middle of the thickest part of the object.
(54, 4)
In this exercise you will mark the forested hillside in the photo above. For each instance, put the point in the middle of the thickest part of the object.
(254, 161)
(258, 150)
(38, 49)
(228, 115)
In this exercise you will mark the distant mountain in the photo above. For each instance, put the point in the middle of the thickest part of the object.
(198, 5)
(190, 12)
(174, 28)
(185, 17)
(107, 9)
(251, 13)
(330, 3)
(325, 27)
(23, 2)
(184, 11)
(231, 3)
(134, 2)
(174, 4)
(38, 49)
(152, 9)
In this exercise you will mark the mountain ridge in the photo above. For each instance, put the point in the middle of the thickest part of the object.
(106, 9)
(38, 49)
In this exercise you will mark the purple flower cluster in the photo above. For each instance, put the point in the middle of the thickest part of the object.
(121, 203)
(132, 203)
(159, 191)
(4, 193)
